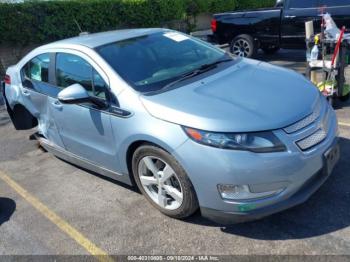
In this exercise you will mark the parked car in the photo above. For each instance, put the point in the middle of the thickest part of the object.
(190, 124)
(273, 28)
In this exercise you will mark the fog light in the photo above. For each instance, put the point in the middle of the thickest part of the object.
(242, 192)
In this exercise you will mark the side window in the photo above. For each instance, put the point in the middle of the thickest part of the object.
(100, 86)
(38, 68)
(72, 69)
(303, 3)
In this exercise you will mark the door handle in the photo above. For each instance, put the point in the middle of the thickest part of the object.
(57, 104)
(290, 16)
(25, 93)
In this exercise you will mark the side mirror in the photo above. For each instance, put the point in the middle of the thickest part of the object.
(74, 94)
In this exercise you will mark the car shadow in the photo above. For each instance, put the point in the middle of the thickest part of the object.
(291, 59)
(111, 180)
(2, 100)
(287, 55)
(340, 104)
(7, 208)
(4, 119)
(327, 211)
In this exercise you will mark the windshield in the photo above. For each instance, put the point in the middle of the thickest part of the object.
(148, 63)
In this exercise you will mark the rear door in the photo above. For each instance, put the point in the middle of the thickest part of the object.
(85, 129)
(295, 14)
(35, 92)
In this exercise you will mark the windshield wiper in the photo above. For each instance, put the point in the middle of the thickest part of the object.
(202, 69)
(211, 65)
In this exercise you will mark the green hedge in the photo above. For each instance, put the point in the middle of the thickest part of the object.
(247, 4)
(45, 21)
(36, 22)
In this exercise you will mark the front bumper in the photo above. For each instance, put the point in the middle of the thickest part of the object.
(305, 192)
(298, 173)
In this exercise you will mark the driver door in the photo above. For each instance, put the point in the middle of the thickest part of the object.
(84, 128)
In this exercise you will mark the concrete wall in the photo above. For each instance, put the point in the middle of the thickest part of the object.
(203, 21)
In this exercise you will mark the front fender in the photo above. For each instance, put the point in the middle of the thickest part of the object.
(166, 135)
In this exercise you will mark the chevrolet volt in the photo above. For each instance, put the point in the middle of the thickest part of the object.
(191, 125)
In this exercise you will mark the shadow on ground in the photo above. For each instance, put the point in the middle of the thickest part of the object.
(289, 56)
(1, 99)
(111, 180)
(7, 208)
(327, 211)
(340, 104)
(4, 118)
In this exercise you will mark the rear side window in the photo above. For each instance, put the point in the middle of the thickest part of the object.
(38, 68)
(304, 3)
(330, 3)
(72, 69)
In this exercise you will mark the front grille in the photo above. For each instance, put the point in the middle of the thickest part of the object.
(318, 136)
(313, 129)
(305, 121)
(312, 140)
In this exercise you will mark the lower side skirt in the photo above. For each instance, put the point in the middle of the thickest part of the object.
(81, 162)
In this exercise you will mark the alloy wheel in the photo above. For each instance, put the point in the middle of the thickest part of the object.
(241, 48)
(160, 182)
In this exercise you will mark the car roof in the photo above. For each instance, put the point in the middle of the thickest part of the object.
(99, 39)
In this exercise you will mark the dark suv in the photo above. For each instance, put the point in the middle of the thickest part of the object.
(273, 28)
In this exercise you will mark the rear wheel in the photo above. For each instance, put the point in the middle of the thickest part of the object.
(243, 45)
(163, 182)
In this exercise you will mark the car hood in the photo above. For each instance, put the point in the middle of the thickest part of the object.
(248, 96)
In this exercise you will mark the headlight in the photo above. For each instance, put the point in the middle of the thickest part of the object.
(259, 142)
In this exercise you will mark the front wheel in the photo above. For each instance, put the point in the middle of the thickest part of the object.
(244, 46)
(164, 182)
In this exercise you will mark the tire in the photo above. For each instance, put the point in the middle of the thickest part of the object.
(178, 182)
(270, 50)
(244, 46)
